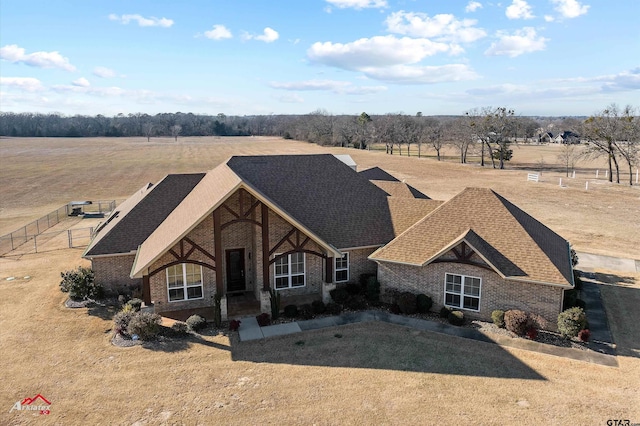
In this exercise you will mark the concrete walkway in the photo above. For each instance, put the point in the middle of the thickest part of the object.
(249, 330)
(588, 262)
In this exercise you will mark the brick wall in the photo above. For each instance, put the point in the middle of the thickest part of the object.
(113, 272)
(359, 264)
(496, 293)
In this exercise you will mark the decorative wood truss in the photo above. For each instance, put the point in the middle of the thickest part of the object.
(463, 254)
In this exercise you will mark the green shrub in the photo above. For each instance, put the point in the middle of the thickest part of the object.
(363, 279)
(180, 328)
(136, 304)
(444, 312)
(497, 317)
(571, 321)
(339, 294)
(217, 309)
(334, 308)
(306, 311)
(291, 311)
(121, 321)
(456, 318)
(196, 322)
(145, 324)
(80, 284)
(356, 303)
(423, 303)
(372, 291)
(318, 307)
(407, 303)
(353, 289)
(516, 321)
(274, 298)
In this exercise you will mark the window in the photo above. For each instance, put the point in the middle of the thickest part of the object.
(342, 268)
(184, 282)
(461, 291)
(289, 271)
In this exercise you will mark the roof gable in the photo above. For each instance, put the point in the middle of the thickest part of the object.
(376, 173)
(515, 243)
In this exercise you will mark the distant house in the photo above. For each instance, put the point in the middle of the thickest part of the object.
(567, 137)
(545, 137)
(302, 224)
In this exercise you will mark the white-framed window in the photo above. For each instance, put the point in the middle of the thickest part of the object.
(289, 271)
(184, 282)
(462, 291)
(342, 268)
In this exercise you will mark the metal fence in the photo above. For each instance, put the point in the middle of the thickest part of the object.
(29, 232)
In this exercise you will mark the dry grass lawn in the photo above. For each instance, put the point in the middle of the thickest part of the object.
(373, 374)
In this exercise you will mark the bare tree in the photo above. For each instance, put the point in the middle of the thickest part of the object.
(175, 131)
(147, 130)
(601, 131)
(569, 156)
(432, 133)
(628, 144)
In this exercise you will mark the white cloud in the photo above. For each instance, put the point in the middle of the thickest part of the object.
(380, 51)
(14, 53)
(521, 41)
(570, 8)
(549, 18)
(104, 72)
(338, 87)
(403, 74)
(358, 4)
(152, 21)
(81, 82)
(269, 35)
(519, 9)
(442, 27)
(472, 6)
(27, 84)
(219, 32)
(94, 91)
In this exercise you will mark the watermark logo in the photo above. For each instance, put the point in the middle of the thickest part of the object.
(37, 403)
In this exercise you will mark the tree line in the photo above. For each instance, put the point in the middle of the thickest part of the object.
(487, 132)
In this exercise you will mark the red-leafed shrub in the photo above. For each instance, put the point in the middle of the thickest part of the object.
(532, 333)
(263, 320)
(584, 335)
(234, 325)
(516, 321)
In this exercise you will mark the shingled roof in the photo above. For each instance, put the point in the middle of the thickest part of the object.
(339, 205)
(515, 244)
(137, 217)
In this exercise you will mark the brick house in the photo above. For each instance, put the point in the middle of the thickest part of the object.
(300, 224)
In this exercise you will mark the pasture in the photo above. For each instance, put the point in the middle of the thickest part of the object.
(373, 374)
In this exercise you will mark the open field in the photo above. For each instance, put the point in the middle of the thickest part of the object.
(374, 374)
(40, 174)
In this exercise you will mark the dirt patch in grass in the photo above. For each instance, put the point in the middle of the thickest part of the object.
(374, 373)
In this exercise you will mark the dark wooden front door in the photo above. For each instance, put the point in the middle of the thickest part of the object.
(235, 270)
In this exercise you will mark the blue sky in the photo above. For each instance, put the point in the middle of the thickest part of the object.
(245, 57)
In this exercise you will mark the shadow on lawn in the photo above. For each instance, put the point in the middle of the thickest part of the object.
(378, 345)
(178, 344)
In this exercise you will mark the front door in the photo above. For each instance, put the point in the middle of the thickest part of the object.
(235, 270)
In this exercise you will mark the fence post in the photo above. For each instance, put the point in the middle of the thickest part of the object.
(70, 238)
(586, 186)
(574, 174)
(35, 243)
(597, 171)
(560, 181)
